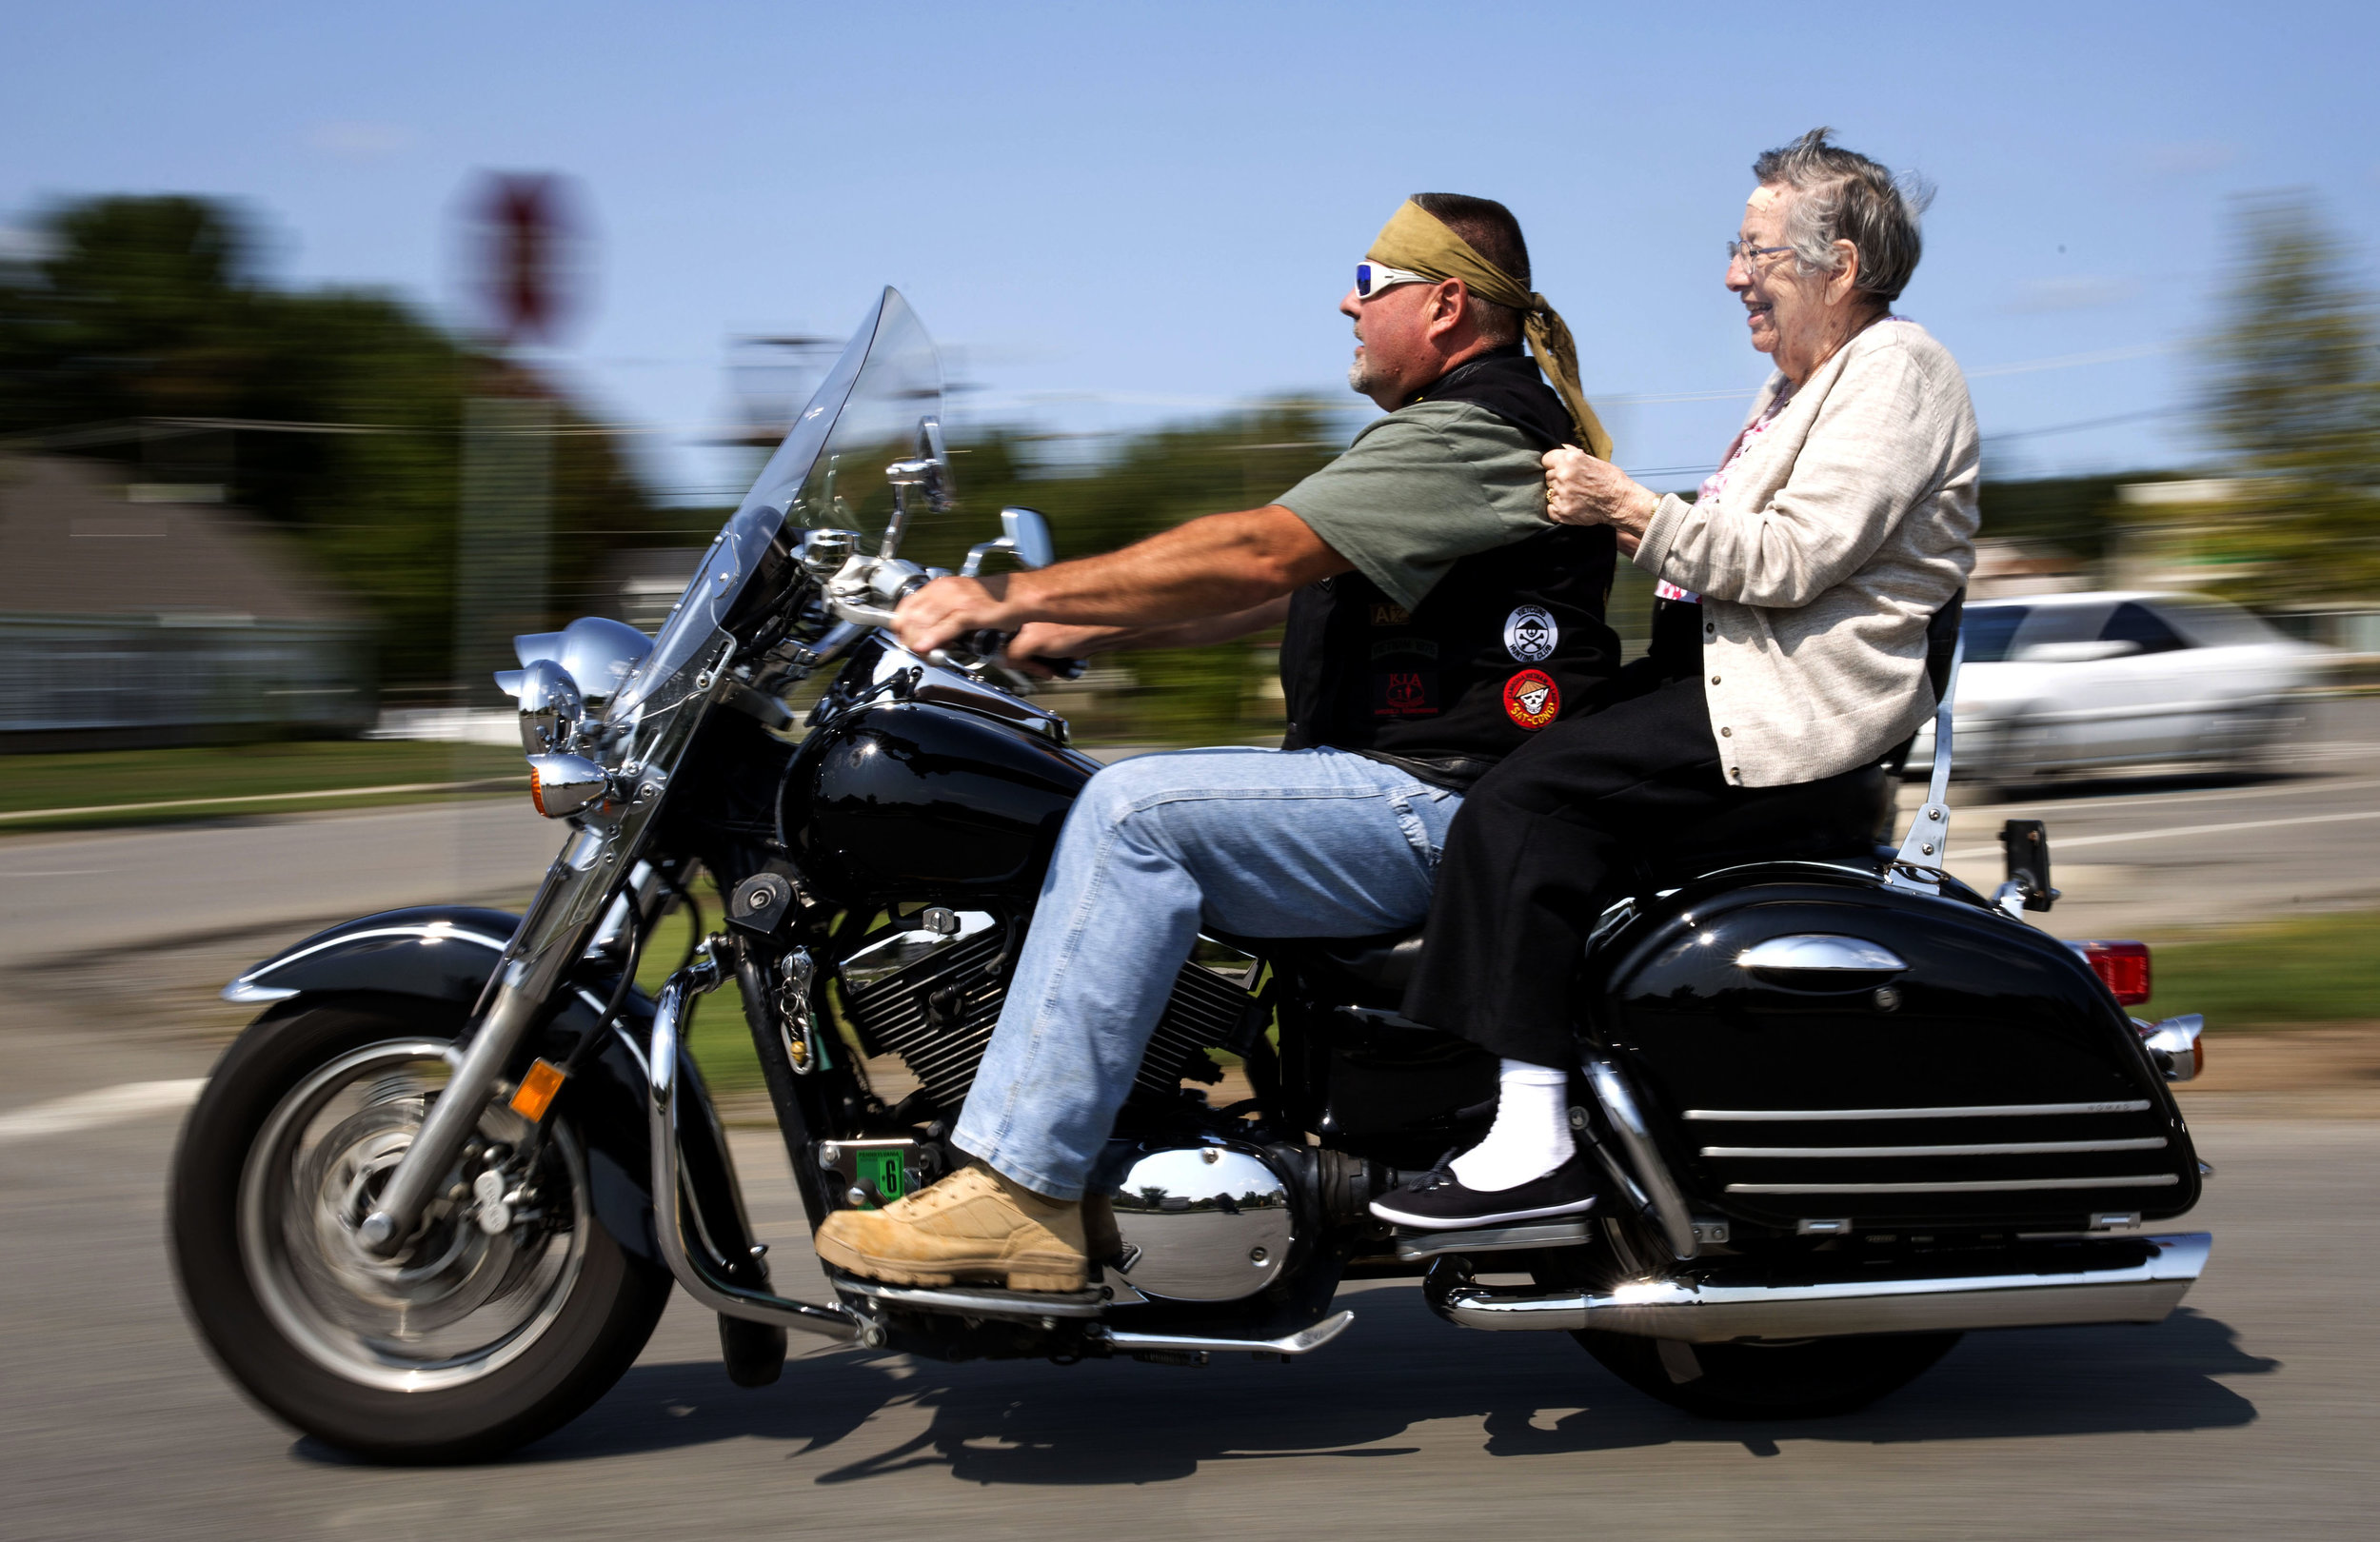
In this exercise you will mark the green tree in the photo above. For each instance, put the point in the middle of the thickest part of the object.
(2295, 397)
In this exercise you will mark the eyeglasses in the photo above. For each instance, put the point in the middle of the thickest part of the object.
(1744, 252)
(1370, 278)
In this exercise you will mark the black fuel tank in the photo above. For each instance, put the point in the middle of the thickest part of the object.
(913, 800)
(1989, 1078)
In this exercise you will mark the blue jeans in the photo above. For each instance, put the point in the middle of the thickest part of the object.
(1314, 843)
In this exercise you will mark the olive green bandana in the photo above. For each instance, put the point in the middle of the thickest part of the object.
(1416, 240)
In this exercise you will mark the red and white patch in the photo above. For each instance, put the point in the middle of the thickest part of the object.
(1531, 699)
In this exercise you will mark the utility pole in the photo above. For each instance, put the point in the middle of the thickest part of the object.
(522, 231)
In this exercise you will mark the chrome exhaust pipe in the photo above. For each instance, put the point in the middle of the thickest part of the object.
(1713, 1311)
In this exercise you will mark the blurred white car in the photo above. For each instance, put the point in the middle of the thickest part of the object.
(2064, 683)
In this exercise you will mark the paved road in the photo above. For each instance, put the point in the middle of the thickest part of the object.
(2249, 1413)
(72, 893)
(2153, 856)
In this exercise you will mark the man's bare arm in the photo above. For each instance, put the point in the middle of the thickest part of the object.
(1220, 565)
(1057, 640)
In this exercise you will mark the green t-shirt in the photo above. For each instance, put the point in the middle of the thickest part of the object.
(1421, 489)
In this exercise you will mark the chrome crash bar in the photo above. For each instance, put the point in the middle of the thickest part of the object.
(1713, 1311)
(669, 1196)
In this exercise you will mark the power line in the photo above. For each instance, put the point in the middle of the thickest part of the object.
(2089, 422)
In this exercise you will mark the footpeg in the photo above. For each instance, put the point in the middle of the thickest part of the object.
(1415, 1246)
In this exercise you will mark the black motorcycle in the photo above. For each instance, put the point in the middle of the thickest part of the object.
(430, 1203)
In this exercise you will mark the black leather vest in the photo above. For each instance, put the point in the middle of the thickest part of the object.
(1508, 642)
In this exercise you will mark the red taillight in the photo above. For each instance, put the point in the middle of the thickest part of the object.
(2123, 967)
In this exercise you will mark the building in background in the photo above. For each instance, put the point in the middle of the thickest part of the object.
(139, 614)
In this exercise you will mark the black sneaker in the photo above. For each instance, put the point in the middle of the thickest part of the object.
(1437, 1201)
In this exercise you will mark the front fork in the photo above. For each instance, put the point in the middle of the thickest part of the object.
(553, 935)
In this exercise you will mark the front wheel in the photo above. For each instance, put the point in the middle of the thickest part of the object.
(1808, 1379)
(507, 1313)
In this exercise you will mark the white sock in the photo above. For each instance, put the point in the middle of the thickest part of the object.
(1531, 1135)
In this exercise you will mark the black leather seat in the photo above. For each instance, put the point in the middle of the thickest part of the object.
(1839, 818)
(1384, 964)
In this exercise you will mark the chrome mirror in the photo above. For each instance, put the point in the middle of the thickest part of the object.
(1027, 533)
(941, 492)
(1026, 539)
(929, 472)
(550, 707)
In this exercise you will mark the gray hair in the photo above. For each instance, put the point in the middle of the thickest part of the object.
(1845, 197)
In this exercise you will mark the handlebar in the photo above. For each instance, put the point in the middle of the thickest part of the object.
(990, 645)
(982, 646)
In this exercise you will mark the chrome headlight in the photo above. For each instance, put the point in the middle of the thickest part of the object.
(550, 709)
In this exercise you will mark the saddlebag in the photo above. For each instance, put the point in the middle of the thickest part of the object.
(1819, 1054)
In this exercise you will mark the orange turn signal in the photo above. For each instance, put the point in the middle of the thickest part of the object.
(537, 1091)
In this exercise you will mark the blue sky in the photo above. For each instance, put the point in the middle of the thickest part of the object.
(1117, 212)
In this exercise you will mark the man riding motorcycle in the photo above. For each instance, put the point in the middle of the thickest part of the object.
(1435, 622)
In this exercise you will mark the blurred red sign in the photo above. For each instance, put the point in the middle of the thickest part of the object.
(526, 251)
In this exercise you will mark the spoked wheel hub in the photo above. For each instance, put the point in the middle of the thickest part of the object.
(491, 1263)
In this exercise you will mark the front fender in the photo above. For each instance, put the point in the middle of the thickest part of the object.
(445, 953)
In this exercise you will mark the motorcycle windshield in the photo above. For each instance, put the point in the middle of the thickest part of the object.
(828, 473)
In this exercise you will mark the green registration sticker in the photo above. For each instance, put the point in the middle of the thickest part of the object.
(880, 1170)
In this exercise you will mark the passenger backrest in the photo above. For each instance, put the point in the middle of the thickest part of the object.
(1942, 641)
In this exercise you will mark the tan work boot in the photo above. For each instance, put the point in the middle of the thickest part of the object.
(973, 1225)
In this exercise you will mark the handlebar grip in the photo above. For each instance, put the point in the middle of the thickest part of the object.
(990, 645)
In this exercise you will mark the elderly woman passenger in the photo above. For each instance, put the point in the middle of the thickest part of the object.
(1789, 652)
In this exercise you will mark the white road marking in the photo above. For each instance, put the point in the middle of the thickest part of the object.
(249, 798)
(89, 1111)
(2089, 805)
(1967, 853)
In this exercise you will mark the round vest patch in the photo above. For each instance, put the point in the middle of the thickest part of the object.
(1531, 699)
(1530, 634)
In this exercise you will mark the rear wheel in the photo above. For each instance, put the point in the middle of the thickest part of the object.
(507, 1313)
(1805, 1380)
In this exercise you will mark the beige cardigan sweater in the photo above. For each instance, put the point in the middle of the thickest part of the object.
(1848, 523)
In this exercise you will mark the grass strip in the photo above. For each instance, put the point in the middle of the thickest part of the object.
(103, 788)
(2282, 975)
(715, 1034)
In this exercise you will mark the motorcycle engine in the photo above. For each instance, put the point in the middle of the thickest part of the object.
(928, 988)
(1204, 1217)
